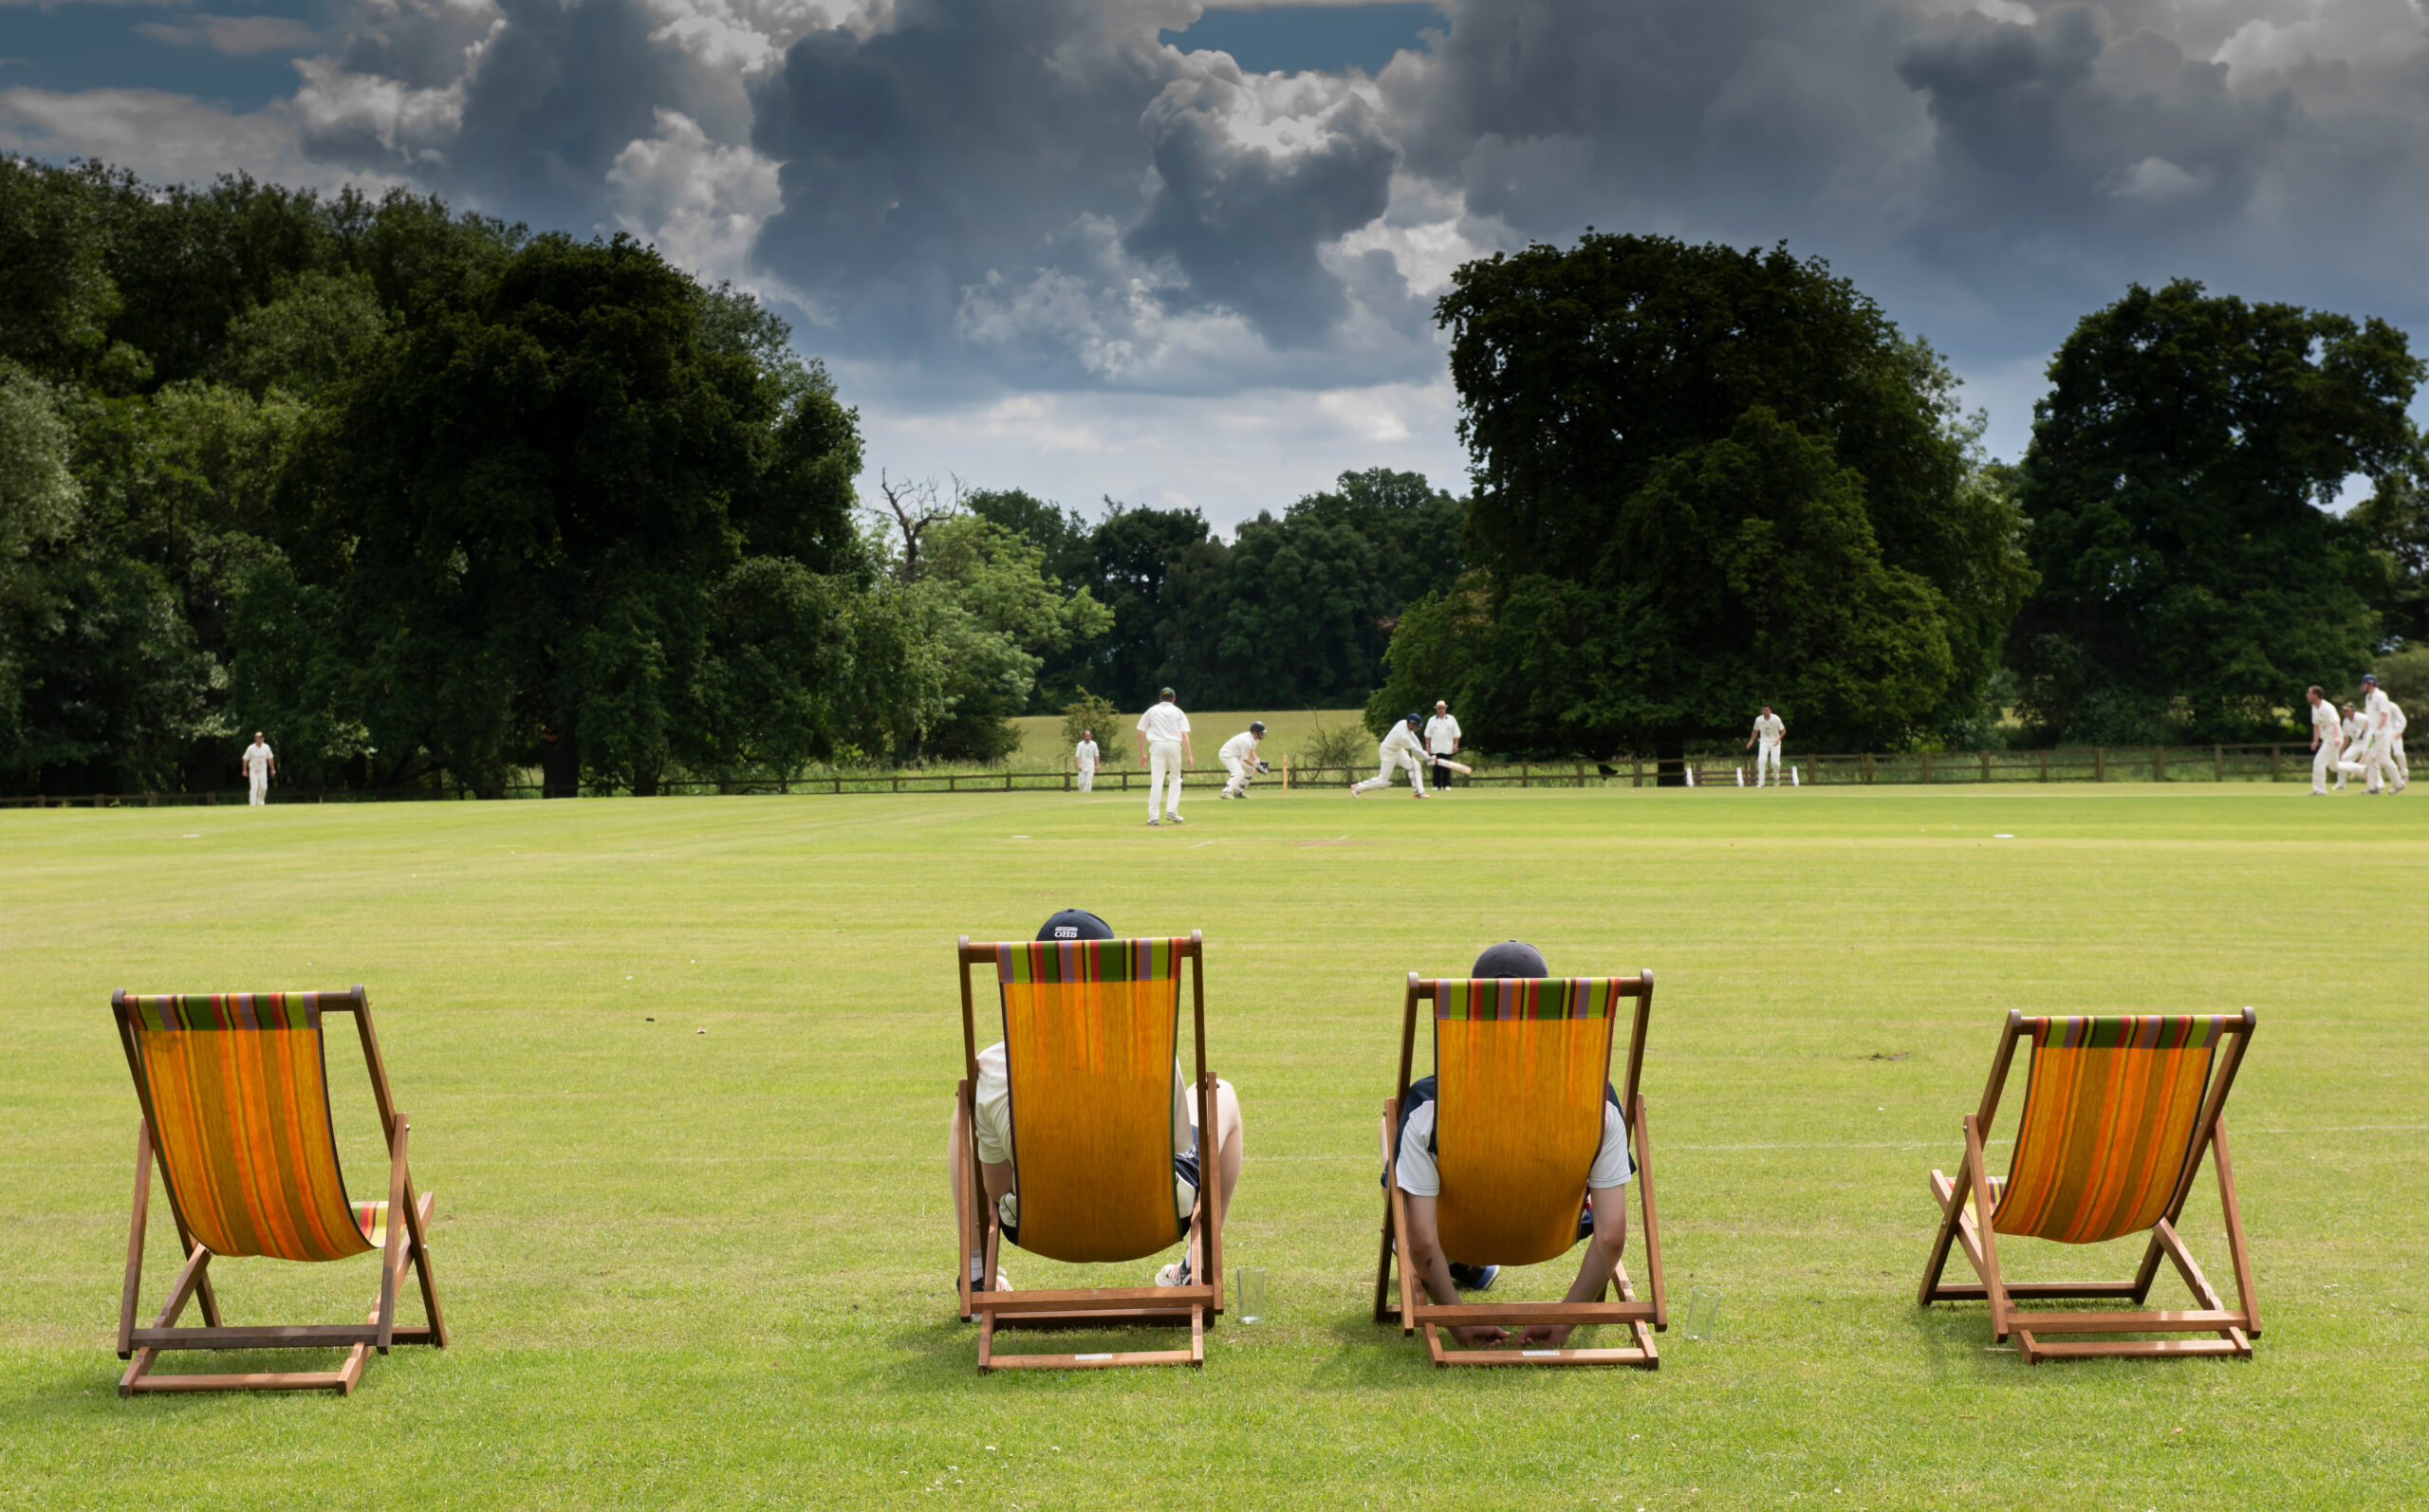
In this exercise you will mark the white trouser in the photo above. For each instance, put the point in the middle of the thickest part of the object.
(259, 782)
(2371, 762)
(2323, 763)
(1087, 779)
(1383, 778)
(1241, 772)
(2396, 759)
(1766, 755)
(1163, 756)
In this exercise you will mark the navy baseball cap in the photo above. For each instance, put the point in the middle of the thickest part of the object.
(1510, 958)
(2369, 677)
(1075, 924)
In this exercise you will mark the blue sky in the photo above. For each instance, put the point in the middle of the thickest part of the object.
(1174, 254)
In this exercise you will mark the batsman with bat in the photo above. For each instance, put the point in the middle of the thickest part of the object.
(1239, 756)
(1398, 748)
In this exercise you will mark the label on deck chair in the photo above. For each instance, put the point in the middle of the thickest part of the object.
(1092, 1356)
(1540, 1353)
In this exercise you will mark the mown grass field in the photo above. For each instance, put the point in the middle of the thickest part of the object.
(710, 1270)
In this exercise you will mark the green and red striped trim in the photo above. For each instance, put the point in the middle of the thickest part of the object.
(2136, 1032)
(1065, 961)
(226, 1010)
(1547, 997)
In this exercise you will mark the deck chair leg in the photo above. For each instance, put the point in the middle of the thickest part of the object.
(418, 1212)
(966, 1224)
(1625, 1292)
(191, 1279)
(1383, 1258)
(1412, 1286)
(1652, 1222)
(2238, 1255)
(132, 1297)
(389, 1261)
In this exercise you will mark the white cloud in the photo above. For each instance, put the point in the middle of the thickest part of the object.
(700, 202)
(237, 36)
(167, 138)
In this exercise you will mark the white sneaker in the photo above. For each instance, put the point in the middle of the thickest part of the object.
(1176, 1274)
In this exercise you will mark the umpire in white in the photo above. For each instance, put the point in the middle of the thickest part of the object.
(1441, 740)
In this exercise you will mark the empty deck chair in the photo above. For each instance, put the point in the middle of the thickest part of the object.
(236, 1106)
(1090, 1031)
(2118, 1112)
(1521, 1065)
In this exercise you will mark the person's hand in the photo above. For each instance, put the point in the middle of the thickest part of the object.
(1480, 1334)
(1552, 1335)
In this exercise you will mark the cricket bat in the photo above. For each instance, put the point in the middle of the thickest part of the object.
(1461, 767)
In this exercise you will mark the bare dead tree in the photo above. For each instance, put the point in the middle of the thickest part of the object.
(915, 508)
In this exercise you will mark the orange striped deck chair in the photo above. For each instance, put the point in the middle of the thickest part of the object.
(2118, 1112)
(1520, 1065)
(1090, 1031)
(235, 1098)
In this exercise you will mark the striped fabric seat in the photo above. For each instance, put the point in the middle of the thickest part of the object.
(1520, 1066)
(2109, 1113)
(1091, 1028)
(236, 1089)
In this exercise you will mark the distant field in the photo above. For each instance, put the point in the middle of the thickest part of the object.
(713, 1270)
(1285, 729)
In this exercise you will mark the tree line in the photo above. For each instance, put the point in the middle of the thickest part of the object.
(432, 498)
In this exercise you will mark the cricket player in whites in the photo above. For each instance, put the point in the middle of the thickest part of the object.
(1239, 756)
(1398, 748)
(1085, 757)
(260, 766)
(1442, 741)
(2327, 740)
(2372, 765)
(1768, 730)
(2395, 746)
(1163, 747)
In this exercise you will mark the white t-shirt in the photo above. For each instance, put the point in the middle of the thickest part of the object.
(2395, 717)
(1769, 728)
(1240, 747)
(2325, 724)
(1088, 755)
(257, 760)
(1163, 721)
(2374, 711)
(1418, 1174)
(993, 1127)
(1401, 738)
(1442, 734)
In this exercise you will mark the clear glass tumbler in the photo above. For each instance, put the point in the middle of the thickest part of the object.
(1251, 1279)
(1703, 1314)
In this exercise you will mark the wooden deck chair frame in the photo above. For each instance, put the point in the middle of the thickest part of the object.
(1414, 1312)
(981, 1236)
(1972, 1191)
(406, 1245)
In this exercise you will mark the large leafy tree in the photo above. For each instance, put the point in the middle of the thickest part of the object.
(2192, 579)
(1674, 449)
(534, 503)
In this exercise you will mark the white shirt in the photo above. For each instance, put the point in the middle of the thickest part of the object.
(1442, 734)
(1769, 728)
(2374, 711)
(1400, 739)
(2395, 717)
(1163, 721)
(2325, 725)
(992, 1105)
(2353, 728)
(1240, 747)
(257, 760)
(1088, 755)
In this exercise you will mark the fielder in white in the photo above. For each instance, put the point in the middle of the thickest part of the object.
(1239, 758)
(1163, 748)
(2395, 746)
(1441, 743)
(2327, 740)
(1398, 748)
(1768, 730)
(2372, 765)
(1085, 756)
(260, 766)
(2350, 744)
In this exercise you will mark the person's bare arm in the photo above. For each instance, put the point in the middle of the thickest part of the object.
(1433, 1271)
(1188, 758)
(1594, 1269)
